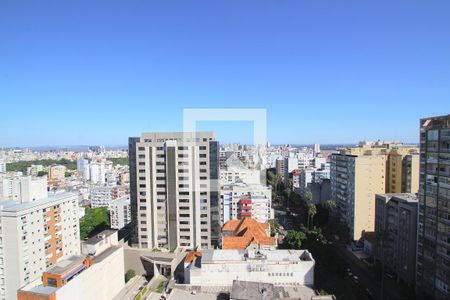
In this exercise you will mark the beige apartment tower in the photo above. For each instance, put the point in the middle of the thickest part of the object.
(174, 190)
(358, 173)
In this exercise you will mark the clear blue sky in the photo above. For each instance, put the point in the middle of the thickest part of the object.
(96, 72)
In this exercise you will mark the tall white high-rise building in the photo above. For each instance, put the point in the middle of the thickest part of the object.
(35, 235)
(316, 149)
(120, 212)
(174, 190)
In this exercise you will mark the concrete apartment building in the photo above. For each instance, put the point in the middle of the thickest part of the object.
(245, 200)
(35, 235)
(358, 173)
(120, 212)
(174, 184)
(23, 188)
(56, 176)
(97, 274)
(396, 221)
(433, 247)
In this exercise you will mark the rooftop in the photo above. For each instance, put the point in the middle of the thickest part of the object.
(404, 197)
(245, 232)
(275, 256)
(99, 237)
(15, 206)
(66, 265)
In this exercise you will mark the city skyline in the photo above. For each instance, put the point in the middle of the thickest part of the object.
(325, 73)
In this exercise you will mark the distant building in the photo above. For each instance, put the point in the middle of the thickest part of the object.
(219, 268)
(245, 200)
(2, 167)
(433, 247)
(101, 196)
(82, 165)
(35, 235)
(247, 234)
(34, 170)
(357, 174)
(56, 176)
(95, 275)
(316, 149)
(120, 212)
(396, 222)
(23, 188)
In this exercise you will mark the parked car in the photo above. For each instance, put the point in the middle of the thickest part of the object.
(369, 293)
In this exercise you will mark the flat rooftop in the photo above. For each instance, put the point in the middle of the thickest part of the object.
(100, 236)
(218, 256)
(15, 206)
(66, 265)
(406, 197)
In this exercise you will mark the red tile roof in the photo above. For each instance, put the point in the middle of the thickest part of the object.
(190, 257)
(246, 231)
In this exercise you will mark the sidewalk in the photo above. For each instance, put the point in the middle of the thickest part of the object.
(131, 288)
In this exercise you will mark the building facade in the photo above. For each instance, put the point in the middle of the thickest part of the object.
(396, 229)
(433, 247)
(23, 188)
(95, 275)
(34, 236)
(245, 200)
(357, 174)
(174, 185)
(218, 268)
(120, 212)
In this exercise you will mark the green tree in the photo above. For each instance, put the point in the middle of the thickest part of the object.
(312, 211)
(287, 195)
(129, 274)
(277, 181)
(41, 173)
(274, 195)
(294, 239)
(23, 165)
(330, 205)
(94, 221)
(308, 196)
(123, 161)
(274, 225)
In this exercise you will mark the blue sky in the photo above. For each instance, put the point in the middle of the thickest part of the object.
(96, 72)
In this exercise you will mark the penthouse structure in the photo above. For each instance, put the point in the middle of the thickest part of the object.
(174, 189)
